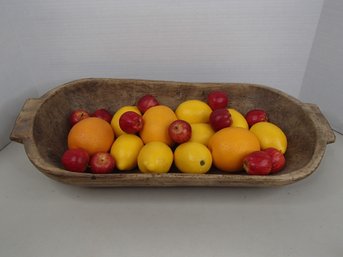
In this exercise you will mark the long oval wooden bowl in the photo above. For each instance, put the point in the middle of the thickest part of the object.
(42, 126)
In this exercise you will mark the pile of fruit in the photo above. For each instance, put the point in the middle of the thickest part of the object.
(194, 137)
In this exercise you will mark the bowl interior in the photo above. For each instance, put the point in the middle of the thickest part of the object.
(51, 124)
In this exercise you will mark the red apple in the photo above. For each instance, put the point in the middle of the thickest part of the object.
(103, 114)
(180, 131)
(278, 159)
(102, 163)
(257, 163)
(256, 115)
(78, 115)
(217, 99)
(75, 160)
(145, 102)
(220, 118)
(131, 122)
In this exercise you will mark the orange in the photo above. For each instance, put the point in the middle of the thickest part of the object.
(91, 134)
(156, 122)
(230, 145)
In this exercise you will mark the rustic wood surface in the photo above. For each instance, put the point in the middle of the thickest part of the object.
(42, 126)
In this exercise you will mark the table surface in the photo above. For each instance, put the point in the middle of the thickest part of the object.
(42, 217)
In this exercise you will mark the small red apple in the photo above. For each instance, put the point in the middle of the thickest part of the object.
(103, 114)
(102, 163)
(220, 118)
(131, 122)
(278, 159)
(145, 102)
(257, 163)
(75, 160)
(77, 115)
(180, 131)
(217, 100)
(256, 115)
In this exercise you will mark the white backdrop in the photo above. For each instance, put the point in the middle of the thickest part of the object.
(44, 43)
(323, 81)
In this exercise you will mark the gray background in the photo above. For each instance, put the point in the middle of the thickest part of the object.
(323, 81)
(47, 43)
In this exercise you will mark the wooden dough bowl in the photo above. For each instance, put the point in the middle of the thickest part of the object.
(42, 126)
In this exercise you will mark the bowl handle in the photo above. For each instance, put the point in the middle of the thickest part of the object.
(24, 123)
(321, 122)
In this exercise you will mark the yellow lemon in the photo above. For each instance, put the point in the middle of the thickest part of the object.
(201, 133)
(192, 157)
(125, 150)
(155, 157)
(115, 119)
(238, 120)
(270, 135)
(193, 111)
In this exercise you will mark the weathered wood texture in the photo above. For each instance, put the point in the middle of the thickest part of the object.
(42, 126)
